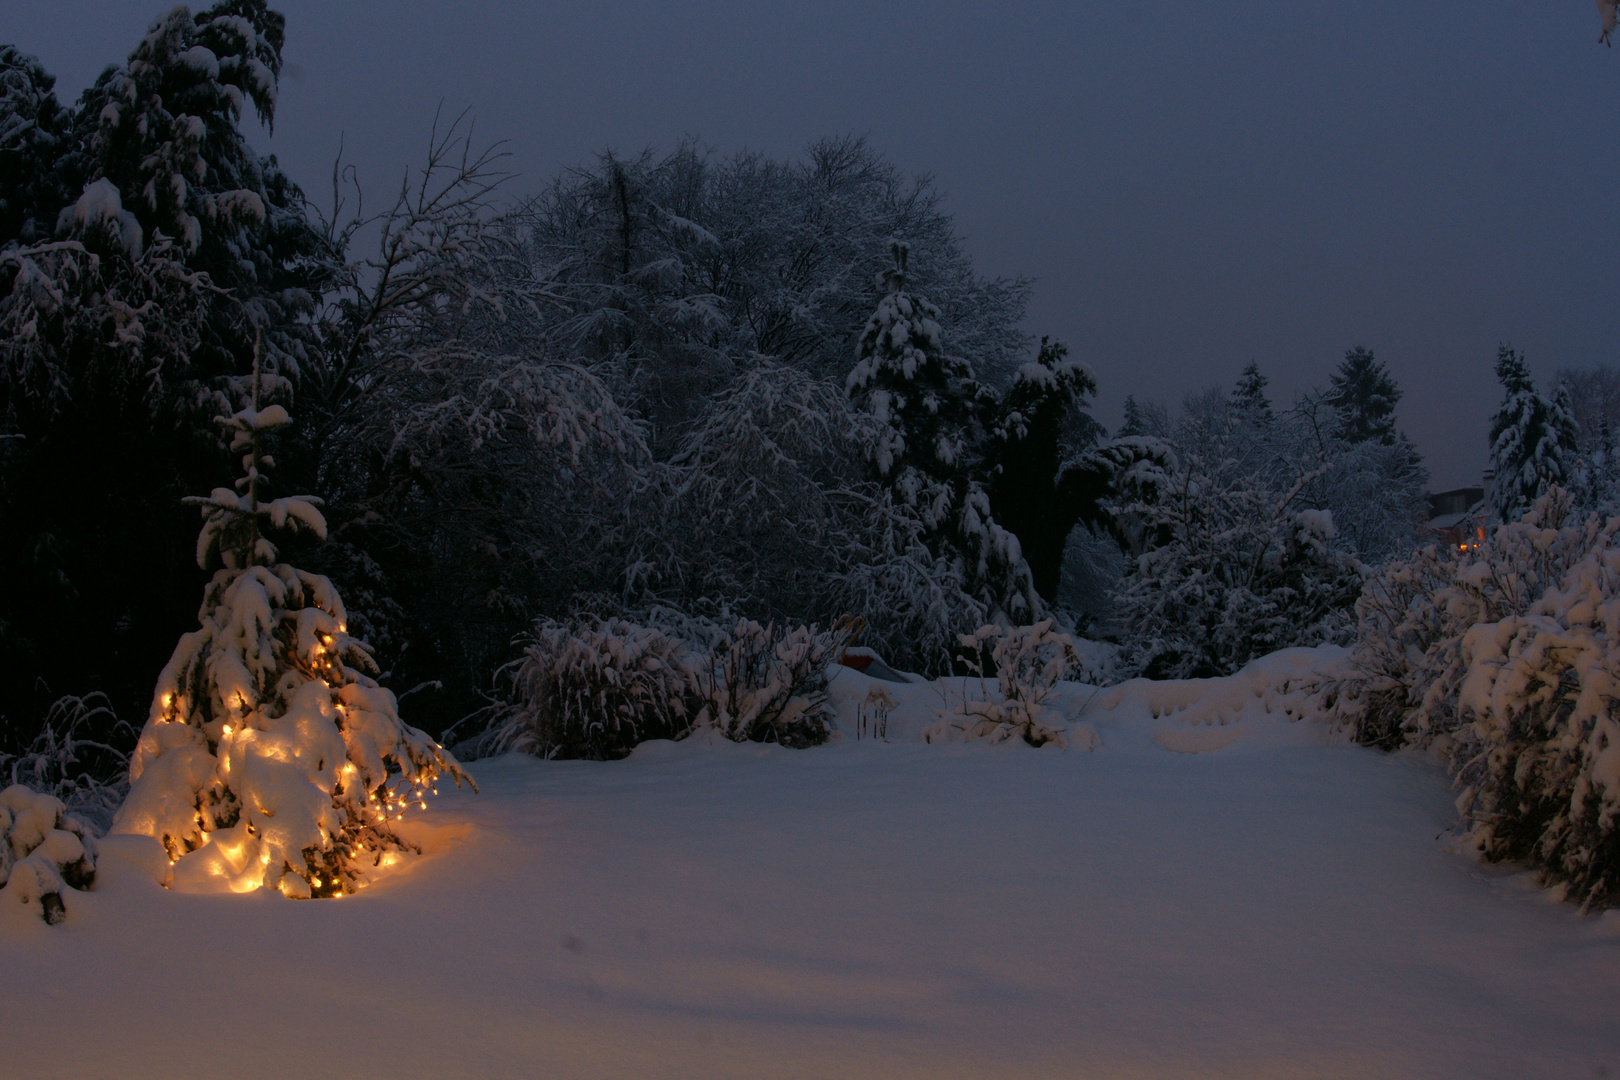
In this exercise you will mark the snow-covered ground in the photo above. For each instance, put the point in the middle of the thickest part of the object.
(1247, 898)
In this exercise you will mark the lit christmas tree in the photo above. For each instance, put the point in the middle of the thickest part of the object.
(271, 756)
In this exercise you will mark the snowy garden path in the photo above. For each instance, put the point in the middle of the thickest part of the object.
(1278, 907)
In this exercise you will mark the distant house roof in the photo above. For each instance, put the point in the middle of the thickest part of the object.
(1456, 501)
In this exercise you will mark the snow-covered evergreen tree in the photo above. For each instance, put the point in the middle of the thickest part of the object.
(1249, 395)
(33, 134)
(143, 246)
(43, 850)
(271, 757)
(928, 407)
(1533, 439)
(1365, 396)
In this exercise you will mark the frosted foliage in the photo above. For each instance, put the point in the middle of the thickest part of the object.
(43, 851)
(766, 684)
(63, 761)
(186, 72)
(271, 757)
(68, 294)
(593, 689)
(921, 398)
(1235, 568)
(1505, 655)
(1029, 663)
(926, 409)
(101, 207)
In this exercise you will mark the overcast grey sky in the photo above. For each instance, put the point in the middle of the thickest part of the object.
(1193, 186)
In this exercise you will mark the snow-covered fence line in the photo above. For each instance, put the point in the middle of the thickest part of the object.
(1505, 657)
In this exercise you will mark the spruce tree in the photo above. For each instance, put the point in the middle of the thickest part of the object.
(271, 757)
(1364, 396)
(1134, 422)
(1533, 439)
(928, 410)
(1249, 396)
(33, 136)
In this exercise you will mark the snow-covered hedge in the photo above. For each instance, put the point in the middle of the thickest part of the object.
(593, 689)
(43, 850)
(1507, 657)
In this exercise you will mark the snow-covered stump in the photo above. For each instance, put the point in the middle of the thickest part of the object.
(43, 850)
(271, 757)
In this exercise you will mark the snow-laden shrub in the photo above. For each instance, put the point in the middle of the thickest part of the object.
(593, 689)
(1028, 662)
(271, 756)
(1506, 655)
(767, 684)
(1539, 759)
(1243, 572)
(1406, 665)
(43, 850)
(66, 761)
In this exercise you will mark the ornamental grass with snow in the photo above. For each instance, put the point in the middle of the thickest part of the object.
(271, 757)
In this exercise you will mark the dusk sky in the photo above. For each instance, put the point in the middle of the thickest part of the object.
(1192, 186)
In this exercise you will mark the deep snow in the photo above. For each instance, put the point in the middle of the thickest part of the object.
(1277, 904)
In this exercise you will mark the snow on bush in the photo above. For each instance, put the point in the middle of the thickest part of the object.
(1406, 664)
(271, 757)
(43, 850)
(1507, 657)
(85, 773)
(593, 689)
(1242, 572)
(767, 684)
(1028, 662)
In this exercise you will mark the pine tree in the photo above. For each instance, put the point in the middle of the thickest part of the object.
(271, 757)
(1533, 439)
(1365, 396)
(1134, 422)
(927, 409)
(1249, 396)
